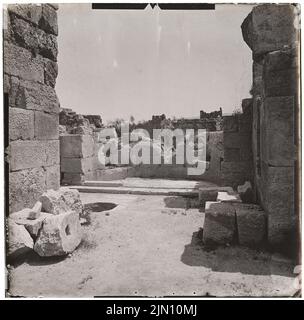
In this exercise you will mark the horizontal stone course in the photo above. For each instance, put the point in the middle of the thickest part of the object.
(236, 139)
(53, 177)
(21, 124)
(77, 165)
(76, 146)
(19, 62)
(233, 166)
(33, 96)
(41, 15)
(50, 72)
(278, 136)
(31, 154)
(46, 126)
(34, 39)
(251, 224)
(219, 224)
(25, 187)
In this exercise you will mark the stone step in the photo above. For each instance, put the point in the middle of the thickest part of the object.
(138, 190)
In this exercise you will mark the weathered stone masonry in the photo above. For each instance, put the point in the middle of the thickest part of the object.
(30, 71)
(270, 32)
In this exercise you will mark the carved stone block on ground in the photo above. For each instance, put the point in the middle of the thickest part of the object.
(220, 224)
(19, 240)
(60, 235)
(63, 200)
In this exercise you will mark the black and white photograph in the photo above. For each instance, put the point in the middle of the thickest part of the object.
(151, 150)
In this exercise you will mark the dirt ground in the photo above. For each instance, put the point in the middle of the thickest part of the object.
(150, 246)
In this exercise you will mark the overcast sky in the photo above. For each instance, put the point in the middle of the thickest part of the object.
(118, 63)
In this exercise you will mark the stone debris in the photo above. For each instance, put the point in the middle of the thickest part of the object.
(33, 226)
(54, 232)
(62, 200)
(228, 221)
(19, 240)
(228, 197)
(60, 235)
(25, 214)
(246, 193)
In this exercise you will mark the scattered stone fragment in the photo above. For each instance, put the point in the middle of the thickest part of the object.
(33, 226)
(228, 197)
(37, 207)
(60, 234)
(246, 193)
(209, 203)
(19, 240)
(251, 224)
(25, 214)
(219, 225)
(63, 200)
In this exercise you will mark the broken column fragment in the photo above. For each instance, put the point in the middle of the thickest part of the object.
(60, 201)
(60, 235)
(19, 240)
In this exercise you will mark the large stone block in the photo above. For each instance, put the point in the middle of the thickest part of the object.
(48, 21)
(32, 154)
(34, 39)
(236, 140)
(25, 187)
(278, 138)
(6, 83)
(270, 27)
(19, 62)
(53, 177)
(76, 146)
(19, 240)
(251, 224)
(21, 124)
(230, 124)
(77, 165)
(33, 96)
(232, 154)
(236, 167)
(219, 224)
(59, 235)
(281, 73)
(50, 72)
(72, 178)
(28, 12)
(62, 200)
(46, 126)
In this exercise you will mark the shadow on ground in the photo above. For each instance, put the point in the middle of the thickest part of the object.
(232, 259)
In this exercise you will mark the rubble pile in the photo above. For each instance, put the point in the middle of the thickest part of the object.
(51, 228)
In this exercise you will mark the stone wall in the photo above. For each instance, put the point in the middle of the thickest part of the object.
(30, 71)
(236, 167)
(270, 32)
(78, 147)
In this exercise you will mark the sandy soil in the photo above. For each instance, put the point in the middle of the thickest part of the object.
(144, 248)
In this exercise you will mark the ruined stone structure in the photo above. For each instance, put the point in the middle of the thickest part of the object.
(271, 33)
(30, 71)
(236, 167)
